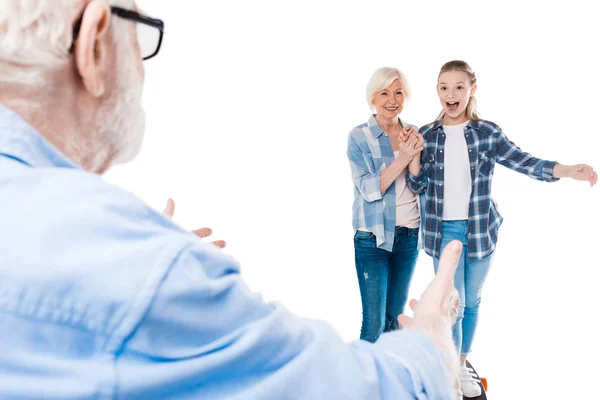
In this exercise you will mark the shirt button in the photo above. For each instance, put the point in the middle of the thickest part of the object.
(439, 235)
(439, 201)
(440, 184)
(440, 167)
(470, 150)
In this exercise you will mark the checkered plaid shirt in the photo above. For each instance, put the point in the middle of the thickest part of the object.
(487, 144)
(369, 153)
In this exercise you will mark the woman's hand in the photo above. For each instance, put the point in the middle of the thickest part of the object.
(407, 134)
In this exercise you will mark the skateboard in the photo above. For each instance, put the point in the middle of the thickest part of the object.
(482, 384)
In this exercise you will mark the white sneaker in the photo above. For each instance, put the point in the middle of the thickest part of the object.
(468, 383)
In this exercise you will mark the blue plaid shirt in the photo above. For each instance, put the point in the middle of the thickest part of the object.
(370, 152)
(487, 145)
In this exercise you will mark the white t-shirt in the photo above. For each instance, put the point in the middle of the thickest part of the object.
(457, 174)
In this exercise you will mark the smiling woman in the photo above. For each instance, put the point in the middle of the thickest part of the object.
(385, 212)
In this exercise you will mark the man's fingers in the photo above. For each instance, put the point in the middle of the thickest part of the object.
(452, 304)
(205, 232)
(413, 304)
(170, 208)
(448, 262)
(202, 232)
(404, 320)
(220, 243)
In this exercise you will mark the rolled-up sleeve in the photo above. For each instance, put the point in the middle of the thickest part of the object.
(207, 336)
(417, 183)
(368, 183)
(511, 156)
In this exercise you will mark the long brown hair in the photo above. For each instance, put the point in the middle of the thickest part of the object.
(458, 65)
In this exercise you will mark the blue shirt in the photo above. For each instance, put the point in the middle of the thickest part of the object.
(487, 144)
(370, 152)
(101, 297)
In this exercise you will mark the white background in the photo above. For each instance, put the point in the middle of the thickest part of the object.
(249, 105)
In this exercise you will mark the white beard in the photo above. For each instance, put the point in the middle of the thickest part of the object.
(121, 118)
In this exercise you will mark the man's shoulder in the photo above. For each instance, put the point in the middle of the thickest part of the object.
(98, 205)
(86, 246)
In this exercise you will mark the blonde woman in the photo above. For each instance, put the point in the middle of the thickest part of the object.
(385, 211)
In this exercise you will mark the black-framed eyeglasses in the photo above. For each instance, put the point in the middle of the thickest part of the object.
(149, 31)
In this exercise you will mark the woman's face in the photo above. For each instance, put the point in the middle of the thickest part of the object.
(389, 101)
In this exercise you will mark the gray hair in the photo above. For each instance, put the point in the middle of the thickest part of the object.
(36, 36)
(383, 78)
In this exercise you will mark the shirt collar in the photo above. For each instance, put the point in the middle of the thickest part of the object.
(438, 124)
(474, 124)
(376, 129)
(20, 141)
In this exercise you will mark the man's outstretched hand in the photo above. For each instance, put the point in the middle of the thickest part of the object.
(435, 314)
(169, 211)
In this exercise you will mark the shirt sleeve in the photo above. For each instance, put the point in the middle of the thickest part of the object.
(417, 183)
(368, 183)
(511, 156)
(207, 336)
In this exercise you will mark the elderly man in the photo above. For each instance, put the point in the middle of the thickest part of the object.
(103, 297)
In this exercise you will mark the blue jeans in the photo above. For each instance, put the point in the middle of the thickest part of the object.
(469, 279)
(384, 278)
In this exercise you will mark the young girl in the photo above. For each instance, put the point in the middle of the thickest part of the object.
(455, 179)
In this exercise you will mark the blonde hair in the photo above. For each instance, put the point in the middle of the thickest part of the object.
(383, 78)
(462, 66)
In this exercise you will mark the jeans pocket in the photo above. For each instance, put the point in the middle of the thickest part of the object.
(362, 235)
(365, 239)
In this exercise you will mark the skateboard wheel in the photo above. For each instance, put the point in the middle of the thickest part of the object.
(484, 382)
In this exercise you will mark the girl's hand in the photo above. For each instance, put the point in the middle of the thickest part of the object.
(583, 172)
(409, 148)
(420, 141)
